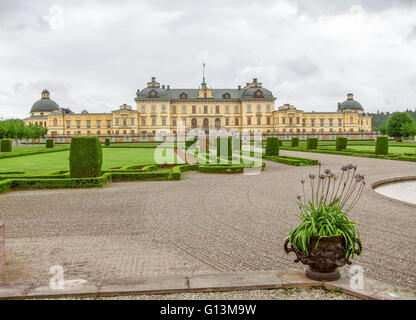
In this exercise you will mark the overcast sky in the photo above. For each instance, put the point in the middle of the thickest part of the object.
(94, 54)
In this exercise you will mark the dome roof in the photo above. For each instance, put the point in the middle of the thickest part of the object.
(45, 104)
(251, 93)
(350, 104)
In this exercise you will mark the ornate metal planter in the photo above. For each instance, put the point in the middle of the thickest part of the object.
(324, 260)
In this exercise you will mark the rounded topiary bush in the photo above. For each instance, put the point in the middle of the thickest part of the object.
(107, 142)
(86, 157)
(312, 143)
(6, 145)
(272, 146)
(382, 145)
(295, 142)
(50, 143)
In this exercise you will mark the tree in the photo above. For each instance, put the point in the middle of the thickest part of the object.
(395, 123)
(408, 129)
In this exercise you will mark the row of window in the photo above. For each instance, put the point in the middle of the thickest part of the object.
(313, 130)
(321, 121)
(205, 109)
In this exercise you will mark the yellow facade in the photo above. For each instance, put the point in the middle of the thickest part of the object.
(162, 109)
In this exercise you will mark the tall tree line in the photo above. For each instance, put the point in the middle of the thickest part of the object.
(379, 119)
(16, 129)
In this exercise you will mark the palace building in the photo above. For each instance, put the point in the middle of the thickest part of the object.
(162, 108)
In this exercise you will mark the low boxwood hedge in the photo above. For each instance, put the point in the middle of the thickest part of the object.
(6, 145)
(293, 161)
(31, 153)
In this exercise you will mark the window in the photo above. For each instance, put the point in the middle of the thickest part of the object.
(258, 108)
(248, 120)
(205, 109)
(184, 122)
(132, 121)
(258, 120)
(339, 122)
(227, 121)
(143, 109)
(267, 108)
(321, 122)
(217, 109)
(143, 121)
(194, 110)
(108, 123)
(268, 120)
(183, 95)
(117, 121)
(297, 120)
(303, 122)
(331, 122)
(68, 124)
(217, 123)
(227, 109)
(124, 122)
(174, 122)
(226, 95)
(312, 122)
(236, 109)
(236, 121)
(183, 109)
(98, 123)
(194, 123)
(153, 121)
(248, 108)
(173, 109)
(153, 109)
(351, 120)
(88, 123)
(55, 122)
(163, 121)
(163, 109)
(78, 122)
(290, 120)
(283, 120)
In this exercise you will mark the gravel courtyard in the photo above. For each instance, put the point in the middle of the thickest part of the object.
(204, 223)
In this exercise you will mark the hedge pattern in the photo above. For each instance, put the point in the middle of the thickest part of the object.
(293, 161)
(311, 143)
(85, 157)
(272, 146)
(6, 145)
(50, 143)
(382, 145)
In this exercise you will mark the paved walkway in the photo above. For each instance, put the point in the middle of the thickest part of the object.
(202, 224)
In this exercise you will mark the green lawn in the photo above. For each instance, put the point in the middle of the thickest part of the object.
(30, 149)
(44, 163)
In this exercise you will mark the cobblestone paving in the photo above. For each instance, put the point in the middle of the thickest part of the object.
(201, 224)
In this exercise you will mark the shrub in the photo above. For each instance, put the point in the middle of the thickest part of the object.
(107, 142)
(6, 145)
(85, 157)
(295, 142)
(382, 145)
(341, 143)
(50, 143)
(280, 143)
(272, 146)
(312, 143)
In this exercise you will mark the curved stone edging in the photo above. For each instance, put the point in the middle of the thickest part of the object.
(2, 245)
(392, 180)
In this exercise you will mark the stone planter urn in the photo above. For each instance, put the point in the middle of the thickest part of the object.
(2, 246)
(324, 260)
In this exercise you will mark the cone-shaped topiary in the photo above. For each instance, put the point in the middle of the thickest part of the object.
(6, 145)
(272, 146)
(50, 143)
(85, 157)
(312, 143)
(382, 145)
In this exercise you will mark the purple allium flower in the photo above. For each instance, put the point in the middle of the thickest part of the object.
(311, 176)
(322, 176)
(327, 171)
(344, 168)
(350, 166)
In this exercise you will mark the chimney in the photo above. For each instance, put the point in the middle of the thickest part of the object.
(239, 87)
(168, 86)
(163, 86)
(254, 80)
(153, 79)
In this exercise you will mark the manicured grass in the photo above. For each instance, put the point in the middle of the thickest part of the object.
(45, 163)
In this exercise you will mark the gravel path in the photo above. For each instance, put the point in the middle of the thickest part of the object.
(201, 224)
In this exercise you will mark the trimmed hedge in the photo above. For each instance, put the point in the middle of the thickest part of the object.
(30, 153)
(293, 161)
(341, 143)
(382, 145)
(107, 142)
(6, 145)
(295, 142)
(85, 157)
(224, 148)
(272, 146)
(312, 143)
(50, 143)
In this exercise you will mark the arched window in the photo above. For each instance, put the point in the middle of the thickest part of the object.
(183, 95)
(226, 96)
(153, 94)
(194, 123)
(205, 123)
(258, 94)
(217, 123)
(351, 120)
(55, 122)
